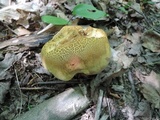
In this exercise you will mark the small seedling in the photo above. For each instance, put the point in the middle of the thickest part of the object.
(54, 20)
(88, 11)
(81, 10)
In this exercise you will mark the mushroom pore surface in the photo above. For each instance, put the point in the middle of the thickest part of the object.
(75, 49)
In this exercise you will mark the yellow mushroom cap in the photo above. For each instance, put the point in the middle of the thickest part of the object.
(75, 49)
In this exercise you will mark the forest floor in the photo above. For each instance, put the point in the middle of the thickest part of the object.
(130, 87)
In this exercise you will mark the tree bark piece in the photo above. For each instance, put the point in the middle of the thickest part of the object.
(61, 107)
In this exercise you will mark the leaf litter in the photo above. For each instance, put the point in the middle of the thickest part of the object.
(130, 84)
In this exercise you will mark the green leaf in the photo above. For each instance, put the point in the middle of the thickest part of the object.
(88, 11)
(123, 10)
(54, 20)
(150, 2)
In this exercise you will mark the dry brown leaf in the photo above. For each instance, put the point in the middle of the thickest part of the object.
(152, 79)
(150, 87)
(150, 93)
(135, 48)
(4, 87)
(117, 31)
(121, 58)
(143, 110)
(21, 31)
(12, 12)
(136, 6)
(6, 63)
(134, 38)
(151, 40)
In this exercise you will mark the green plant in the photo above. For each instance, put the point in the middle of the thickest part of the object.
(81, 10)
(123, 9)
(149, 2)
(88, 11)
(54, 20)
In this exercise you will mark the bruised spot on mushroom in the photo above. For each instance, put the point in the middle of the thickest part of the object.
(74, 64)
(75, 49)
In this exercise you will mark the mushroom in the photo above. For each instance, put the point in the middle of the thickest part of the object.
(76, 49)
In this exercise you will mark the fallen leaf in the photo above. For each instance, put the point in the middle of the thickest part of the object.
(24, 20)
(121, 58)
(150, 87)
(135, 48)
(151, 40)
(152, 58)
(150, 93)
(117, 31)
(143, 110)
(152, 79)
(136, 6)
(128, 111)
(7, 14)
(21, 31)
(4, 87)
(134, 38)
(12, 12)
(41, 70)
(8, 61)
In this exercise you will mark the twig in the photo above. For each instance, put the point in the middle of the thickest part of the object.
(19, 90)
(45, 29)
(37, 88)
(98, 109)
(9, 28)
(109, 109)
(55, 82)
(133, 87)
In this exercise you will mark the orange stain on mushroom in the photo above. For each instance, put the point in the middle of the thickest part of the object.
(74, 64)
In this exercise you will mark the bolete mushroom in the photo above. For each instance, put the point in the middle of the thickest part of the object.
(76, 49)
